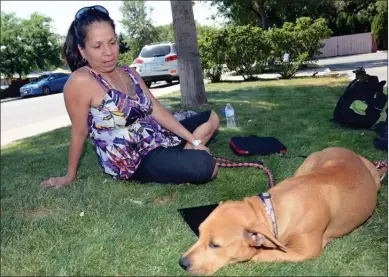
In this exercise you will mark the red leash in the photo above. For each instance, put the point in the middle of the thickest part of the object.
(223, 162)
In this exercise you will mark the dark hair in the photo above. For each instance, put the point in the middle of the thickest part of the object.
(77, 34)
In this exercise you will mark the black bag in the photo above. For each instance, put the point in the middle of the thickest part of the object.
(254, 145)
(362, 103)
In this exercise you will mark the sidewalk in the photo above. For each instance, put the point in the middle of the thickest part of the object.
(320, 71)
(34, 129)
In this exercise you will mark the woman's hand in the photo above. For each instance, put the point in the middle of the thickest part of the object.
(57, 182)
(198, 147)
(202, 147)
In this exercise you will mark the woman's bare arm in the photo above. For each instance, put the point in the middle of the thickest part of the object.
(166, 119)
(77, 101)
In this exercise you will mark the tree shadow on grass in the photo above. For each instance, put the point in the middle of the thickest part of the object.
(292, 111)
(280, 109)
(259, 102)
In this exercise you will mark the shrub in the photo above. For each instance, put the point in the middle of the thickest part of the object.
(379, 26)
(302, 41)
(283, 41)
(247, 50)
(310, 35)
(212, 48)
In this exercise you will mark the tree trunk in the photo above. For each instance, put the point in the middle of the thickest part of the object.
(262, 12)
(189, 65)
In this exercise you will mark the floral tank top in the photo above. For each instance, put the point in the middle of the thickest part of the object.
(123, 130)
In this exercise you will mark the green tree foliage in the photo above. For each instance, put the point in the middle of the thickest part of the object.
(163, 33)
(343, 16)
(139, 31)
(249, 12)
(284, 41)
(272, 13)
(246, 46)
(212, 49)
(28, 44)
(301, 40)
(248, 49)
(201, 30)
(166, 32)
(310, 34)
(380, 25)
(351, 16)
(138, 27)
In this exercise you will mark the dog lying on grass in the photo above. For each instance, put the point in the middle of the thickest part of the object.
(332, 193)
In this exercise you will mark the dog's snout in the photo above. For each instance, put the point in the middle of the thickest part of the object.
(184, 263)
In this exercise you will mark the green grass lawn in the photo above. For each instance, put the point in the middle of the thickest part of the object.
(130, 228)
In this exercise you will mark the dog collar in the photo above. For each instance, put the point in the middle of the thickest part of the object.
(380, 165)
(266, 200)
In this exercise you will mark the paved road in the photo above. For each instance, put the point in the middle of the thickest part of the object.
(31, 116)
(374, 64)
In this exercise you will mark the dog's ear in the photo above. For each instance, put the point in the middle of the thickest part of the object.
(258, 235)
(253, 239)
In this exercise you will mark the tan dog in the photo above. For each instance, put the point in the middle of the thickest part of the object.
(333, 192)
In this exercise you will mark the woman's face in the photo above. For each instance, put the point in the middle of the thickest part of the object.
(101, 47)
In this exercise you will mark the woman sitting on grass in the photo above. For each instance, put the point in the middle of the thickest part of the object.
(134, 136)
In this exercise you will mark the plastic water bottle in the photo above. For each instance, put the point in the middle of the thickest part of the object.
(230, 116)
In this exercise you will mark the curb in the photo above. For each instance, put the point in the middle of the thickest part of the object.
(10, 99)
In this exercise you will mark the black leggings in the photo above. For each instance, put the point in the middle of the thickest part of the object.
(176, 164)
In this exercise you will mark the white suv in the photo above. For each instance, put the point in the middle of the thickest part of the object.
(157, 62)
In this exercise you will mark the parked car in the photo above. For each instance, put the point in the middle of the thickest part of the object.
(157, 62)
(45, 84)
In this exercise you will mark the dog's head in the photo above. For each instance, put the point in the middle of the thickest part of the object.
(231, 233)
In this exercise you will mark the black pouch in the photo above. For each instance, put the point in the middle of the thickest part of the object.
(254, 145)
(194, 216)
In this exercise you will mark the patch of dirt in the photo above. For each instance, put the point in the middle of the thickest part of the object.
(163, 199)
(38, 212)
